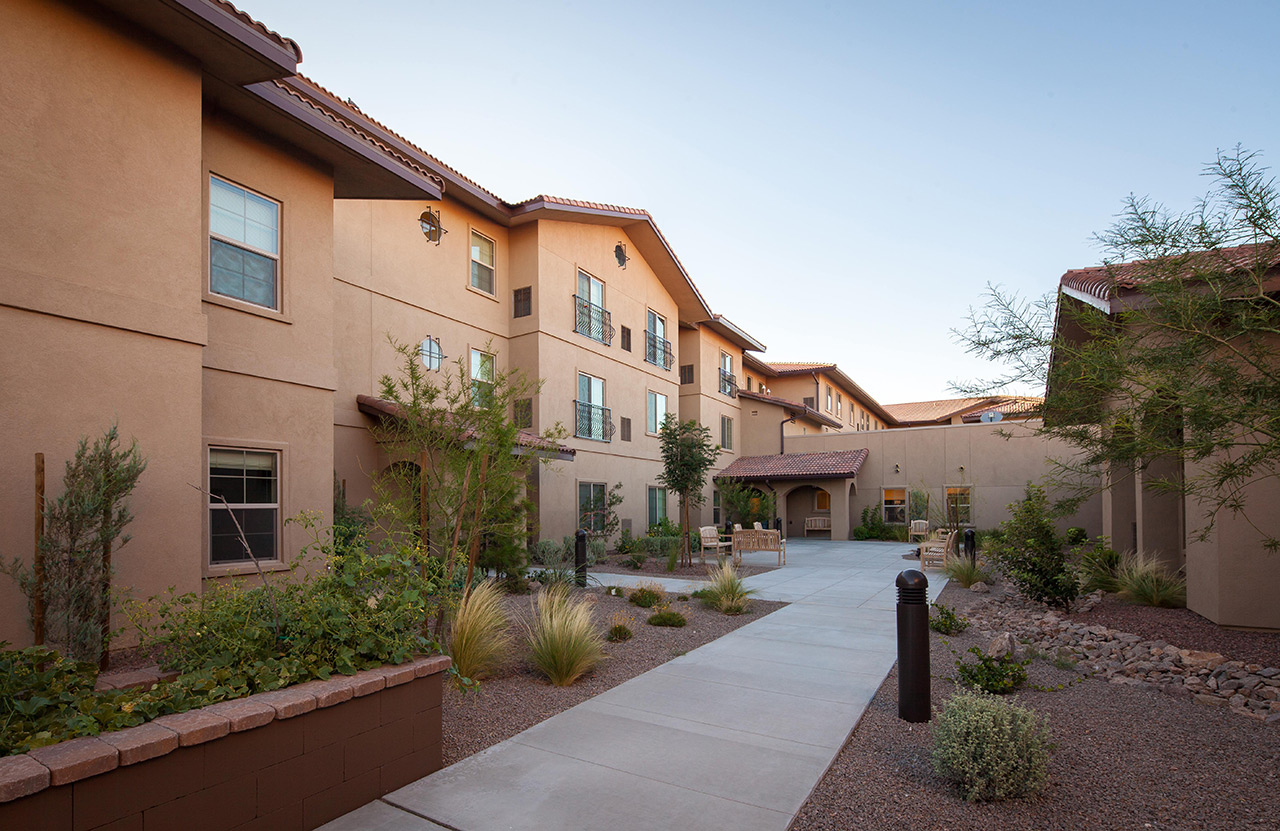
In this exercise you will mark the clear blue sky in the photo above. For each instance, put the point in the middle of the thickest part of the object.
(840, 179)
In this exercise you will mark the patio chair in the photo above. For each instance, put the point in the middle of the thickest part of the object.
(934, 553)
(757, 526)
(919, 530)
(710, 536)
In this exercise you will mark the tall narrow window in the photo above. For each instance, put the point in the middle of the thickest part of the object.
(839, 404)
(657, 412)
(249, 482)
(715, 506)
(592, 506)
(657, 349)
(828, 398)
(482, 378)
(592, 419)
(244, 245)
(522, 413)
(522, 302)
(822, 501)
(657, 505)
(728, 383)
(482, 263)
(590, 317)
(726, 432)
(686, 373)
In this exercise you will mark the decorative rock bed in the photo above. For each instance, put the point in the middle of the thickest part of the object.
(1251, 690)
(290, 759)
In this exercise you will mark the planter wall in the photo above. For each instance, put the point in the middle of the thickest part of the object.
(290, 759)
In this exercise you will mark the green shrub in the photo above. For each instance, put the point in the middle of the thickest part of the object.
(673, 555)
(989, 747)
(1030, 553)
(548, 553)
(1075, 536)
(725, 590)
(986, 537)
(635, 561)
(966, 572)
(614, 591)
(1145, 579)
(665, 528)
(1099, 567)
(666, 617)
(701, 594)
(991, 674)
(618, 633)
(683, 598)
(565, 575)
(647, 596)
(563, 641)
(595, 551)
(478, 639)
(946, 621)
(626, 542)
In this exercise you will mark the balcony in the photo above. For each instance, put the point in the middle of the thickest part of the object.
(592, 422)
(592, 320)
(728, 384)
(657, 350)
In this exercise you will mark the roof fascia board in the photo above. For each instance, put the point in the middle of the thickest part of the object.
(1084, 297)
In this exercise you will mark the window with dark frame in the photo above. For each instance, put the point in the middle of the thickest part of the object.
(686, 373)
(522, 302)
(626, 338)
(624, 428)
(249, 481)
(522, 415)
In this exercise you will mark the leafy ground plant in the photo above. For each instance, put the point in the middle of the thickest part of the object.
(635, 561)
(1030, 553)
(620, 627)
(666, 617)
(563, 641)
(1099, 567)
(725, 590)
(991, 748)
(965, 571)
(993, 674)
(478, 638)
(945, 621)
(647, 596)
(1144, 578)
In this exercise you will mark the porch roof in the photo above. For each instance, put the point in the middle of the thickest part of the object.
(831, 464)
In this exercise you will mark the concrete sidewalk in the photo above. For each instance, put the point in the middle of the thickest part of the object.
(734, 734)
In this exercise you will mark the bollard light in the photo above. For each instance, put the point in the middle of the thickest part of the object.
(971, 545)
(913, 646)
(580, 558)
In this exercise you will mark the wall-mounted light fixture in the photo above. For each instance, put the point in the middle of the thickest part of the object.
(620, 254)
(962, 468)
(429, 222)
(897, 468)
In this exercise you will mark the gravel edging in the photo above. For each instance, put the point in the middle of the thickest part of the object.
(520, 698)
(1126, 757)
(657, 567)
(1185, 628)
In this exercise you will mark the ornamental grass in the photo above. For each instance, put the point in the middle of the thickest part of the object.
(479, 639)
(564, 643)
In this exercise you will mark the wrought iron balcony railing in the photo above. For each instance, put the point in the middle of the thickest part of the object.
(728, 384)
(592, 422)
(591, 320)
(658, 350)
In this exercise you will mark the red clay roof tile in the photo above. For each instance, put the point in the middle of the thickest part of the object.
(832, 464)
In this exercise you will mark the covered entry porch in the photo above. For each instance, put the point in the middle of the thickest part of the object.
(814, 491)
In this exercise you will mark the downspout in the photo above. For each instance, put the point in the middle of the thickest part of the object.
(817, 392)
(782, 445)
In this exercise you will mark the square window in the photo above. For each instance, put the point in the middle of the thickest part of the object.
(244, 244)
(482, 262)
(248, 481)
(657, 412)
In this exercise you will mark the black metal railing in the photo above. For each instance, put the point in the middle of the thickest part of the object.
(592, 421)
(728, 384)
(657, 350)
(591, 320)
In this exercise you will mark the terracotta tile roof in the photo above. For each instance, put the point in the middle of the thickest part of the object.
(333, 109)
(579, 203)
(1106, 282)
(380, 407)
(939, 410)
(806, 411)
(796, 367)
(782, 368)
(1020, 406)
(287, 43)
(832, 464)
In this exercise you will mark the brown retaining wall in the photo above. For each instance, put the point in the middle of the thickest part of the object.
(289, 760)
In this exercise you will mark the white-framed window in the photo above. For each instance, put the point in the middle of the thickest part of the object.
(895, 506)
(960, 504)
(657, 412)
(592, 506)
(828, 398)
(839, 404)
(483, 375)
(483, 263)
(657, 349)
(715, 506)
(249, 481)
(431, 353)
(244, 244)
(822, 501)
(590, 316)
(728, 383)
(657, 505)
(726, 432)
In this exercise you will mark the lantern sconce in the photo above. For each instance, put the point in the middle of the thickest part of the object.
(897, 468)
(429, 222)
(620, 254)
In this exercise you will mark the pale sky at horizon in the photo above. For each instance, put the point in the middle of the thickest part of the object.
(874, 164)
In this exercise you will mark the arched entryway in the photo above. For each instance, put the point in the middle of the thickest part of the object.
(809, 502)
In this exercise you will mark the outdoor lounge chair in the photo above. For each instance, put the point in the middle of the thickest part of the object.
(711, 542)
(933, 553)
(919, 530)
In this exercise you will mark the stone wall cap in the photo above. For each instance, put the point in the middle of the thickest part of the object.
(76, 759)
(329, 692)
(195, 726)
(288, 702)
(244, 713)
(146, 741)
(425, 665)
(21, 776)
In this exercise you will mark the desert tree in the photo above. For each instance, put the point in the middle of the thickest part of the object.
(687, 454)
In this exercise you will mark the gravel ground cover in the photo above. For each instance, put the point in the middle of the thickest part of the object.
(520, 698)
(1126, 757)
(1186, 629)
(657, 567)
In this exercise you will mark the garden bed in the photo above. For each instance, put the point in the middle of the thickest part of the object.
(519, 698)
(1126, 757)
(1184, 628)
(657, 567)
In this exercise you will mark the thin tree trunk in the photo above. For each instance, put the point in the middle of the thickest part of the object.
(474, 554)
(104, 600)
(37, 596)
(684, 530)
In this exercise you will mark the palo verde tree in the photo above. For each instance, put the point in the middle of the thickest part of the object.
(83, 528)
(687, 454)
(1175, 371)
(456, 483)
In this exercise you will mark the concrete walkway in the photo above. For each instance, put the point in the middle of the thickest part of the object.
(735, 734)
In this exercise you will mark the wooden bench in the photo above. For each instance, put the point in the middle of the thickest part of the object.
(816, 523)
(759, 540)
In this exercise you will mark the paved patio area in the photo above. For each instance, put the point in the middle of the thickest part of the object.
(734, 734)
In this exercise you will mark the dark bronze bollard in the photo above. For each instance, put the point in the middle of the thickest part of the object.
(971, 545)
(913, 646)
(580, 558)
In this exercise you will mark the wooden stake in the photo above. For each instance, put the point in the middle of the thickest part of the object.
(475, 523)
(424, 533)
(37, 601)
